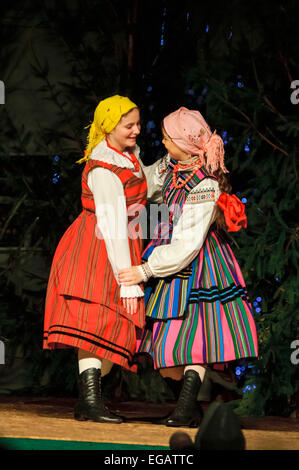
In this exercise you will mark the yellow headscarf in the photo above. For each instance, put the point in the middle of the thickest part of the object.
(106, 117)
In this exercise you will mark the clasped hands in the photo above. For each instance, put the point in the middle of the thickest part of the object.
(130, 277)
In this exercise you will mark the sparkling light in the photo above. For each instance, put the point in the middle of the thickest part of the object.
(150, 125)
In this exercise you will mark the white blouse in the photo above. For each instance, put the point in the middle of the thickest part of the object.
(111, 211)
(188, 234)
(191, 229)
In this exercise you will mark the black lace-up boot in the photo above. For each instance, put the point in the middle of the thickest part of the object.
(90, 405)
(188, 412)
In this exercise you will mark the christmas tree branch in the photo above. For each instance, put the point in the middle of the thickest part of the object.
(247, 118)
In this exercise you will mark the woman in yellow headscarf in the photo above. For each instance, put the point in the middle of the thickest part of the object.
(86, 307)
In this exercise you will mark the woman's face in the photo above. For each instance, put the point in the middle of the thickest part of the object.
(125, 133)
(173, 150)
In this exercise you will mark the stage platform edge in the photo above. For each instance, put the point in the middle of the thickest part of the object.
(47, 423)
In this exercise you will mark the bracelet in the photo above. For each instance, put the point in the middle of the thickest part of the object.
(147, 270)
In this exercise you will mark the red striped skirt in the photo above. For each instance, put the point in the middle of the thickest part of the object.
(96, 323)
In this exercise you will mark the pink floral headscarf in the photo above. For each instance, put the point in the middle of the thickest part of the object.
(190, 132)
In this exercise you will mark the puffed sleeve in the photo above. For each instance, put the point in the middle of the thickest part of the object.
(112, 220)
(155, 175)
(189, 233)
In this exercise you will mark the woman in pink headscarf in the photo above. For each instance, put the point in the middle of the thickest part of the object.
(198, 310)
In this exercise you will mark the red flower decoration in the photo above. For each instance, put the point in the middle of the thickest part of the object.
(234, 211)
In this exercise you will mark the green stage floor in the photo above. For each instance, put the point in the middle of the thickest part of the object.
(11, 443)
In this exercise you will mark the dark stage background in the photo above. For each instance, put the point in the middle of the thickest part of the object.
(236, 62)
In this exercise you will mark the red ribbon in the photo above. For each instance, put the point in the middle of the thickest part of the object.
(234, 211)
(133, 159)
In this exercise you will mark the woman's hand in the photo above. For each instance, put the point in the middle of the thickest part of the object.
(130, 304)
(130, 276)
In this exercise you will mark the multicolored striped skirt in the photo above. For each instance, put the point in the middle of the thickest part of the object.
(202, 314)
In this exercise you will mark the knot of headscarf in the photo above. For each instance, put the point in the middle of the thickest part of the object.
(191, 133)
(107, 115)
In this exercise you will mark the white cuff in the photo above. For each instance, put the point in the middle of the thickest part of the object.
(131, 291)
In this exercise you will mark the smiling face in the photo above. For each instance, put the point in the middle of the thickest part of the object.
(124, 134)
(173, 150)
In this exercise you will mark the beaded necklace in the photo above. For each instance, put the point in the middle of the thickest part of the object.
(185, 167)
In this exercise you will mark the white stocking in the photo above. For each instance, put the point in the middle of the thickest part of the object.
(89, 363)
(199, 369)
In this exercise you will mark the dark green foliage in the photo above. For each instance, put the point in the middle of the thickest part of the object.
(260, 109)
(235, 63)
